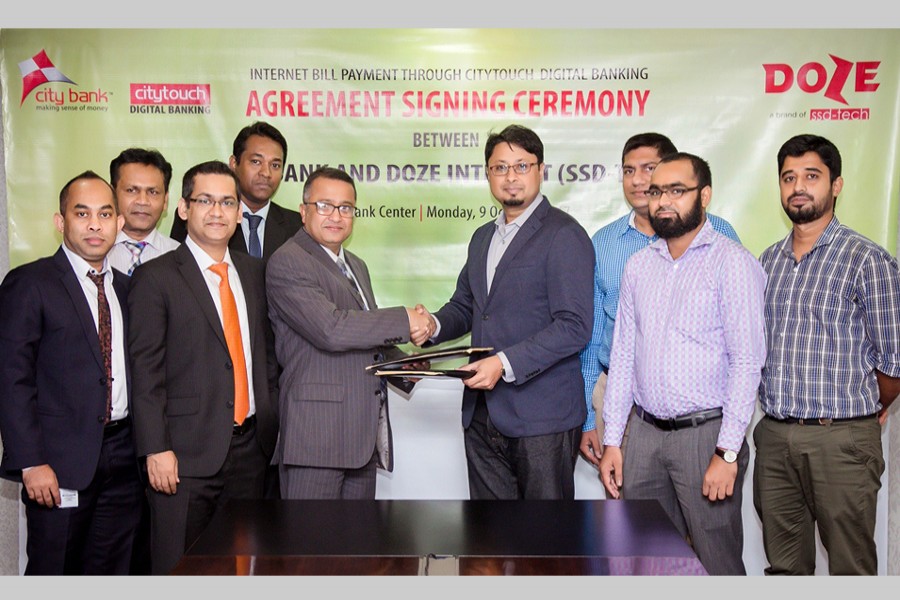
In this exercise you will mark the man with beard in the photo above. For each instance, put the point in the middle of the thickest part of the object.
(614, 244)
(687, 352)
(525, 291)
(832, 311)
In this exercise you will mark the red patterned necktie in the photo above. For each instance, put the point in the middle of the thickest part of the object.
(105, 333)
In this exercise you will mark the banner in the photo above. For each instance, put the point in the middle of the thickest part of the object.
(407, 111)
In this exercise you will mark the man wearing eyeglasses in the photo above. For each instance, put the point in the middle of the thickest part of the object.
(335, 428)
(614, 244)
(258, 155)
(206, 379)
(525, 290)
(687, 353)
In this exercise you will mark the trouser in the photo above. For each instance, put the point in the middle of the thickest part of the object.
(825, 475)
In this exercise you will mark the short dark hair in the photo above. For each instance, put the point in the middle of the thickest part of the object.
(326, 173)
(518, 135)
(141, 156)
(700, 166)
(211, 167)
(260, 128)
(801, 144)
(64, 192)
(658, 141)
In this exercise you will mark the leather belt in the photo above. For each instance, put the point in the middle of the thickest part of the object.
(244, 427)
(682, 421)
(114, 426)
(820, 421)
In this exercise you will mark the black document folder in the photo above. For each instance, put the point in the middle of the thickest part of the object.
(436, 356)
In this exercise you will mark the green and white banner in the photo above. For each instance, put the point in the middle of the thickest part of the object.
(407, 112)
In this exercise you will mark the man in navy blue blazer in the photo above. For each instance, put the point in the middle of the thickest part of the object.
(526, 290)
(65, 403)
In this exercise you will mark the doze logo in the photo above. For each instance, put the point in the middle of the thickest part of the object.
(813, 76)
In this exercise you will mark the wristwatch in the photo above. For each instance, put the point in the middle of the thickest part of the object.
(728, 456)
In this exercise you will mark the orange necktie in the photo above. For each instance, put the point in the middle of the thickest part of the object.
(235, 346)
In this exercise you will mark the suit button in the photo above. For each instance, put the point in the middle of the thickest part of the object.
(375, 357)
(379, 394)
(101, 418)
(484, 317)
(228, 365)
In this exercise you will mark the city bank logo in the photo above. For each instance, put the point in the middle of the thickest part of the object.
(170, 98)
(832, 81)
(38, 70)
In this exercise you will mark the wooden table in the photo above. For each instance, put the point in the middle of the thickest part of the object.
(447, 537)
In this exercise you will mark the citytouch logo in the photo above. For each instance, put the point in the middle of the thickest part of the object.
(832, 81)
(170, 98)
(39, 70)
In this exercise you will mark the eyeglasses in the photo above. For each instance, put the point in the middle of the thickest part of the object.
(674, 193)
(501, 170)
(327, 209)
(206, 202)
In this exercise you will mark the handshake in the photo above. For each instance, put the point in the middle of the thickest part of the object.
(421, 325)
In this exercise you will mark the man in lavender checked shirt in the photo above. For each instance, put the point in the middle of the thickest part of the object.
(688, 349)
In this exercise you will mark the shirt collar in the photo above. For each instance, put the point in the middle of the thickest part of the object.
(831, 230)
(203, 259)
(81, 266)
(704, 237)
(501, 224)
(263, 212)
(152, 238)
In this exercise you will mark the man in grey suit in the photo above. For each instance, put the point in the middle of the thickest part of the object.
(205, 377)
(526, 290)
(334, 430)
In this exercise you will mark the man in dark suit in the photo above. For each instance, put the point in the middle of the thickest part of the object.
(526, 290)
(258, 156)
(64, 409)
(205, 384)
(335, 430)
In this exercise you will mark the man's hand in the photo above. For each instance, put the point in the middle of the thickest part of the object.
(718, 481)
(591, 449)
(162, 471)
(41, 484)
(611, 470)
(487, 373)
(421, 325)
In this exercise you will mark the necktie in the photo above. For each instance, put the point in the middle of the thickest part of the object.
(105, 333)
(135, 248)
(255, 248)
(235, 346)
(346, 271)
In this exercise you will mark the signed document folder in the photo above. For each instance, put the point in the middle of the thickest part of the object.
(403, 373)
(436, 356)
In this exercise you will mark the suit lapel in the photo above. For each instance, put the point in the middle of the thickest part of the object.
(196, 283)
(527, 231)
(274, 230)
(80, 304)
(478, 278)
(320, 254)
(250, 295)
(361, 274)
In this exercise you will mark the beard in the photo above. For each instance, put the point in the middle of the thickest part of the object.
(513, 202)
(669, 228)
(807, 213)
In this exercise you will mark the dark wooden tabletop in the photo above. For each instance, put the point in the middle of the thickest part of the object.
(418, 537)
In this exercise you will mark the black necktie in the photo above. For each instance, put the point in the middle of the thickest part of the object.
(105, 332)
